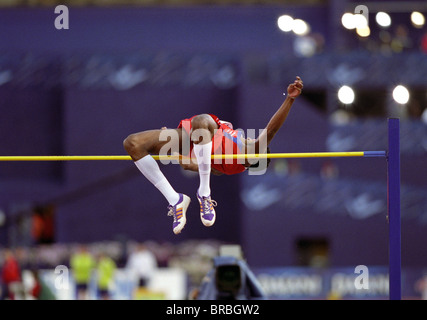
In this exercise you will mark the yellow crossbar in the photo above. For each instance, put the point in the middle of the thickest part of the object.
(166, 157)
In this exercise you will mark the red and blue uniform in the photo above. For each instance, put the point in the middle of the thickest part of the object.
(226, 140)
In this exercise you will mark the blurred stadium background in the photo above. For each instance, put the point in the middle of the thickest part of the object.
(127, 66)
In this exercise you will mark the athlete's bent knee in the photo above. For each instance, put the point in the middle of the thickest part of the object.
(130, 144)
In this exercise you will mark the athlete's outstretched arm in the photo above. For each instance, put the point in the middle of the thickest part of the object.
(277, 120)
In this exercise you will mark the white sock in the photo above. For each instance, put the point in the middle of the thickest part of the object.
(151, 170)
(203, 156)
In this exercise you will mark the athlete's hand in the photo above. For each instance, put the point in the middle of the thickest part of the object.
(294, 89)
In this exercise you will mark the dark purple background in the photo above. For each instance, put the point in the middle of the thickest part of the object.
(109, 200)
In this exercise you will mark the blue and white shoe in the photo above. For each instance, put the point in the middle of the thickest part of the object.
(178, 212)
(207, 211)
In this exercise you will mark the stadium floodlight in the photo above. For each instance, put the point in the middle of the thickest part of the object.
(300, 27)
(346, 95)
(348, 21)
(401, 94)
(285, 23)
(383, 19)
(418, 19)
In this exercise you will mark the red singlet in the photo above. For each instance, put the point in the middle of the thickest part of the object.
(225, 141)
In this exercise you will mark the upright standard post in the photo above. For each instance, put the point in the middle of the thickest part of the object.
(393, 197)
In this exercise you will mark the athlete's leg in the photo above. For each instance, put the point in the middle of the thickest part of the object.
(203, 130)
(140, 146)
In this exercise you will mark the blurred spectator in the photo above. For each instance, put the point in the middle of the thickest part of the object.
(43, 225)
(294, 167)
(37, 225)
(106, 269)
(424, 116)
(421, 286)
(82, 264)
(141, 265)
(48, 236)
(401, 40)
(385, 42)
(40, 291)
(11, 276)
(415, 109)
(424, 43)
(329, 170)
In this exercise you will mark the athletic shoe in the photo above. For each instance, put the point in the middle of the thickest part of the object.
(178, 212)
(207, 211)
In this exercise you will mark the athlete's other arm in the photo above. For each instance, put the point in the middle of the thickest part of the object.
(277, 120)
(192, 166)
